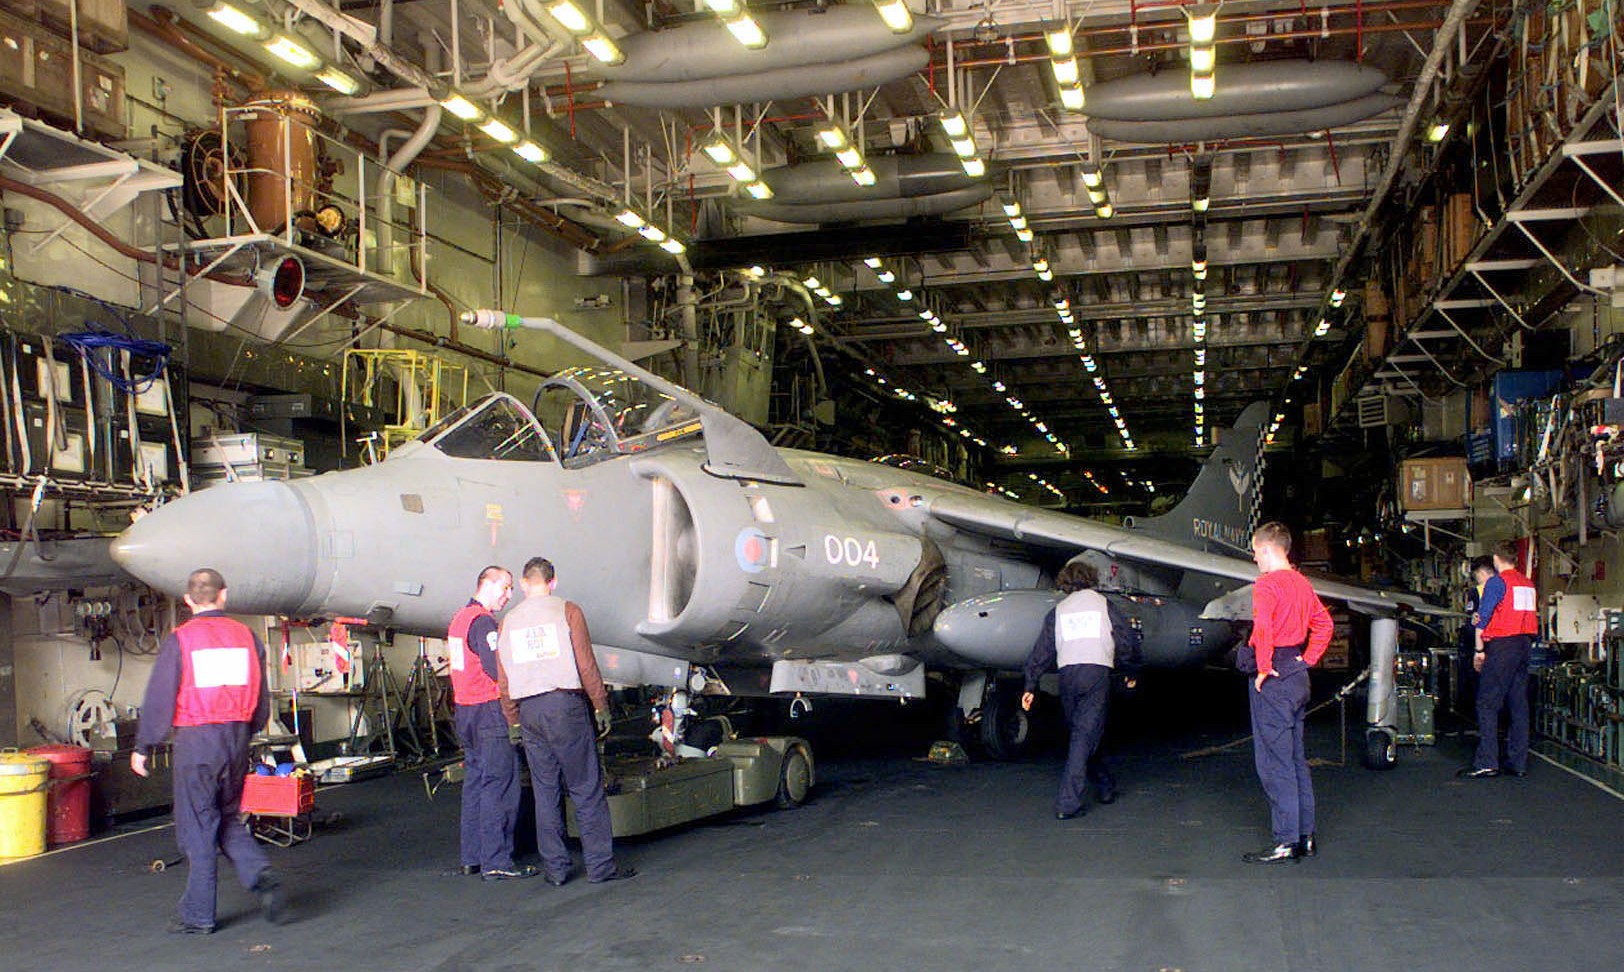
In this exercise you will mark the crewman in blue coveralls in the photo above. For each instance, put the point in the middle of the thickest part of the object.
(490, 783)
(208, 684)
(1085, 636)
(1507, 620)
(1290, 631)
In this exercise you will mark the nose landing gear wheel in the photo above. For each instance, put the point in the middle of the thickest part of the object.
(1005, 728)
(1381, 749)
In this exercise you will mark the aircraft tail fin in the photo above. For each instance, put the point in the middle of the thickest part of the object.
(1222, 507)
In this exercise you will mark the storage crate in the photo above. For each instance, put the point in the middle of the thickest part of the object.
(241, 449)
(1434, 484)
(278, 796)
(104, 25)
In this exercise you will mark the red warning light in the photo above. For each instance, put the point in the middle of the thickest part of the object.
(287, 283)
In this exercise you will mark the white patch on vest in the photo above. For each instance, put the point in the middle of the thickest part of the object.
(540, 643)
(1075, 625)
(1522, 599)
(456, 646)
(217, 667)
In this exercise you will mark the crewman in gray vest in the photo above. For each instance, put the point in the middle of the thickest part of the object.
(551, 688)
(1086, 636)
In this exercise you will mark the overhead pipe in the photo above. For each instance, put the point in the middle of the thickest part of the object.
(1248, 88)
(697, 51)
(895, 176)
(770, 85)
(901, 207)
(163, 25)
(1254, 125)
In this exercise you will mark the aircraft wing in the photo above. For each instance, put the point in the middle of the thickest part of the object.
(1050, 529)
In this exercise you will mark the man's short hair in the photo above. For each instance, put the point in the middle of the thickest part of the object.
(1506, 551)
(204, 586)
(490, 573)
(1482, 563)
(1275, 534)
(1079, 575)
(538, 569)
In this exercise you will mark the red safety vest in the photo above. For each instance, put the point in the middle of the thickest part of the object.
(1518, 611)
(220, 672)
(469, 683)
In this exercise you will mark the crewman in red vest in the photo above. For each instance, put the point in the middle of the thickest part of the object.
(490, 784)
(208, 685)
(1507, 621)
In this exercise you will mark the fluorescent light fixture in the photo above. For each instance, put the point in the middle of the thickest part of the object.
(1040, 264)
(1203, 25)
(236, 21)
(1092, 178)
(1019, 222)
(602, 48)
(1203, 86)
(651, 233)
(672, 246)
(850, 157)
(1012, 210)
(462, 107)
(885, 276)
(720, 151)
(1025, 235)
(1203, 60)
(1436, 131)
(834, 300)
(742, 172)
(571, 16)
(1338, 296)
(747, 32)
(1046, 275)
(873, 263)
(1105, 212)
(896, 15)
(939, 326)
(1199, 266)
(726, 8)
(759, 190)
(629, 218)
(1071, 98)
(339, 81)
(822, 291)
(1201, 204)
(811, 283)
(1322, 328)
(1200, 272)
(954, 125)
(833, 136)
(964, 148)
(975, 168)
(904, 295)
(1065, 70)
(863, 177)
(531, 152)
(292, 51)
(500, 130)
(1058, 37)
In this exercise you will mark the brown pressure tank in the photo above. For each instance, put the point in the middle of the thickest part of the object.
(281, 158)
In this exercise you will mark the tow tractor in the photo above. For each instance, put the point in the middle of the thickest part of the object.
(685, 783)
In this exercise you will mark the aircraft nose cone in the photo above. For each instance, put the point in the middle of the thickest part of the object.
(259, 536)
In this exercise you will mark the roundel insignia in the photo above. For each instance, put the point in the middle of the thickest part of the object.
(752, 550)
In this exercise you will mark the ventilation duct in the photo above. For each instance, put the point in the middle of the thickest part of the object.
(1243, 89)
(772, 85)
(1183, 130)
(904, 186)
(936, 204)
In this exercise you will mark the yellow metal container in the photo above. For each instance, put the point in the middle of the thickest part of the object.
(23, 781)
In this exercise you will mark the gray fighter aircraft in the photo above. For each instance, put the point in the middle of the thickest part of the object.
(705, 558)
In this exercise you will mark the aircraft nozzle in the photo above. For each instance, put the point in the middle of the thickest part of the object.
(259, 536)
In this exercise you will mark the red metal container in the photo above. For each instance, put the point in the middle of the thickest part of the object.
(278, 796)
(68, 804)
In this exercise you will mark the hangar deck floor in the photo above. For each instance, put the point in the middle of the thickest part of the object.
(899, 864)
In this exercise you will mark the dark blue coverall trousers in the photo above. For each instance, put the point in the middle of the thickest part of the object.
(1503, 682)
(490, 786)
(1278, 711)
(210, 762)
(1085, 695)
(561, 745)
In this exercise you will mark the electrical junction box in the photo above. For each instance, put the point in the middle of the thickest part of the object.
(1575, 619)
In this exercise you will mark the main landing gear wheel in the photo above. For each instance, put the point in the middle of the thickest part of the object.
(1005, 728)
(794, 779)
(1381, 749)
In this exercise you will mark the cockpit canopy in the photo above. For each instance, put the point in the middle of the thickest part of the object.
(601, 413)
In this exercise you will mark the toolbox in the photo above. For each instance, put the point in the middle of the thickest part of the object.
(279, 796)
